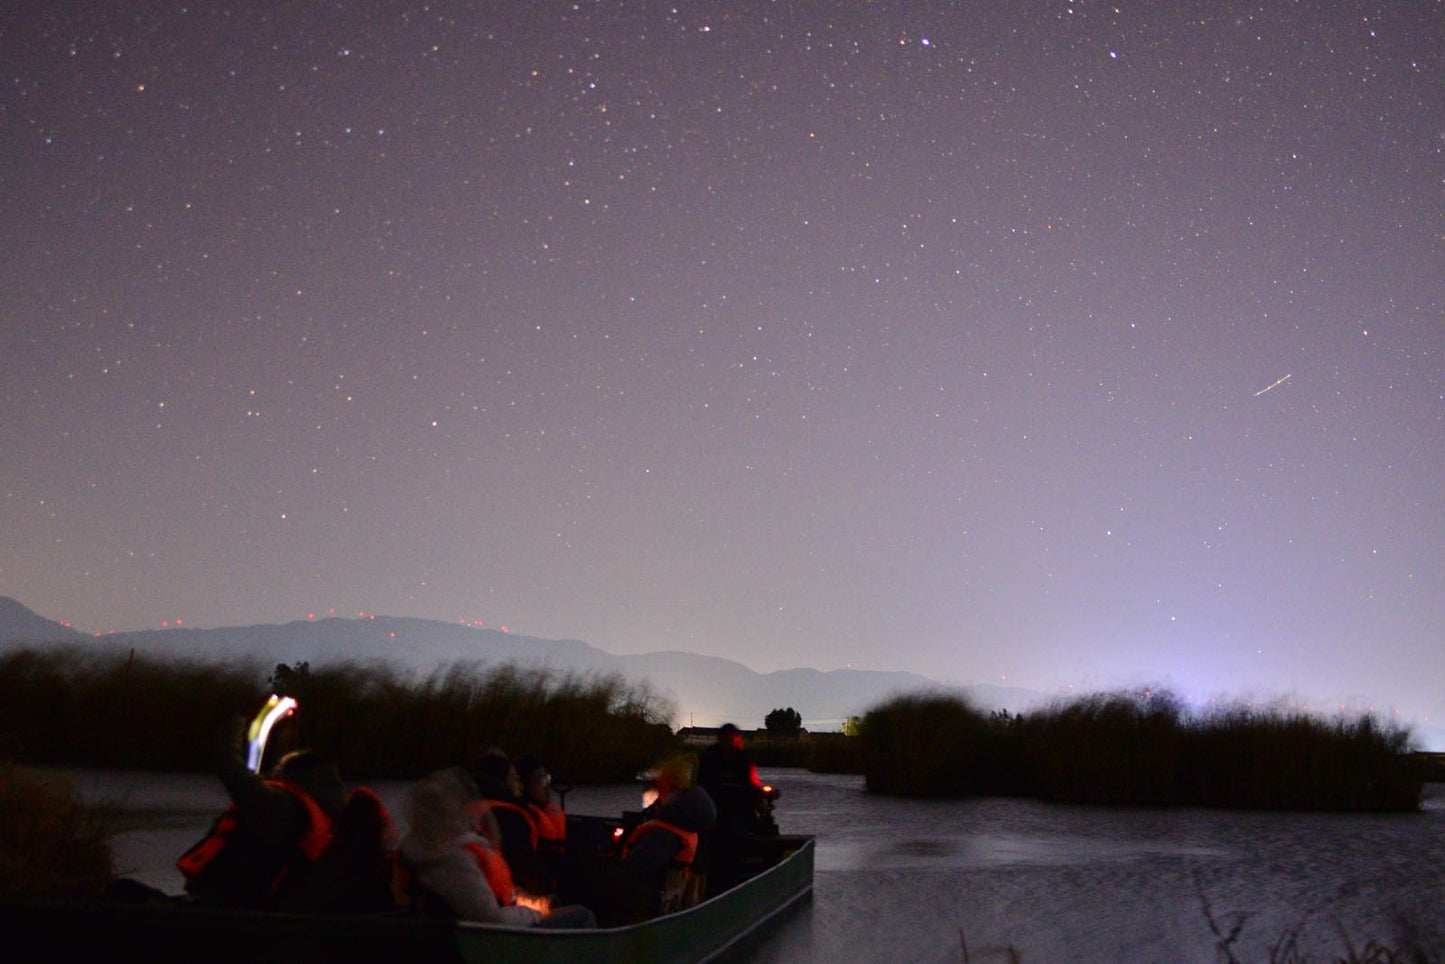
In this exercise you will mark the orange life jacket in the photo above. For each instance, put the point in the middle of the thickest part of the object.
(526, 813)
(689, 839)
(194, 862)
(498, 874)
(551, 824)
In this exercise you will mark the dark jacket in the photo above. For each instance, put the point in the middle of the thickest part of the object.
(264, 851)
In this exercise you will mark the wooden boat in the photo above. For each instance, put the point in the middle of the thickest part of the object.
(780, 878)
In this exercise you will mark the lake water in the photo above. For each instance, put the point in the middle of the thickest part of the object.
(916, 881)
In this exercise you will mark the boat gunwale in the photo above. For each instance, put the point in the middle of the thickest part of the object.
(805, 843)
(704, 933)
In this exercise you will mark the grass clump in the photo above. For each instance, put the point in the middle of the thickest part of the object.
(1140, 748)
(51, 845)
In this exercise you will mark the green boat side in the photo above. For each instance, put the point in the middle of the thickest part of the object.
(700, 933)
(107, 931)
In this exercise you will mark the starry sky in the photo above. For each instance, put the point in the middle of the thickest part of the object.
(1055, 344)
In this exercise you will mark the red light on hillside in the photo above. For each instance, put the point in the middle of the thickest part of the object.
(505, 629)
(310, 615)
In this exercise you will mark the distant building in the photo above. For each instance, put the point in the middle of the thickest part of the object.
(698, 736)
(701, 736)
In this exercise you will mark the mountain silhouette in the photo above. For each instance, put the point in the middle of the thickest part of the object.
(19, 624)
(703, 690)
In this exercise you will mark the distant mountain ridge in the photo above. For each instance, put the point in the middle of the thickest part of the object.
(705, 690)
(20, 624)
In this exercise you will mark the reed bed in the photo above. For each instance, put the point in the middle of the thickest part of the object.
(1140, 749)
(68, 707)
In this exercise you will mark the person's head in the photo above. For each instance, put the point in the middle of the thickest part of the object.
(364, 823)
(729, 737)
(675, 773)
(536, 781)
(315, 775)
(493, 771)
(443, 805)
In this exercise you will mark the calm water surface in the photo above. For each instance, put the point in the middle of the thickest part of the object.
(906, 881)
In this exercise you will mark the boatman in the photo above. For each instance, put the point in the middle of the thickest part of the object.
(727, 773)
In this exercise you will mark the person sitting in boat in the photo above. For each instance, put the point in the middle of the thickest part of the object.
(359, 869)
(265, 851)
(546, 814)
(662, 853)
(458, 870)
(501, 787)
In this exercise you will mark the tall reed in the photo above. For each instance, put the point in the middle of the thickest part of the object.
(1140, 748)
(70, 707)
(935, 746)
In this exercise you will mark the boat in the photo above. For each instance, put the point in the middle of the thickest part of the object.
(778, 878)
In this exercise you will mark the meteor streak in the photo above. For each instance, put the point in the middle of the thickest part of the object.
(1277, 384)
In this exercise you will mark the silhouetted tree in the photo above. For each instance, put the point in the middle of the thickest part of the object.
(291, 681)
(788, 722)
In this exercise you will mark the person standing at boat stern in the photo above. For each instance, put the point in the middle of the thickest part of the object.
(459, 871)
(727, 773)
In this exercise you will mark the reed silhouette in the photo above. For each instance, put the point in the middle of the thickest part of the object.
(72, 708)
(1140, 748)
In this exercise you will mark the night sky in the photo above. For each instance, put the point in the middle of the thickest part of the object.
(1041, 343)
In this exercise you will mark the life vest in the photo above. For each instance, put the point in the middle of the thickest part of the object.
(551, 824)
(684, 856)
(526, 812)
(498, 874)
(202, 864)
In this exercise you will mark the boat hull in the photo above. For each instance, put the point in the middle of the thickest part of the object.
(107, 931)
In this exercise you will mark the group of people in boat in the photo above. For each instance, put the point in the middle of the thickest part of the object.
(485, 842)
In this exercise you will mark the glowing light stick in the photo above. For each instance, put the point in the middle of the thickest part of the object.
(276, 709)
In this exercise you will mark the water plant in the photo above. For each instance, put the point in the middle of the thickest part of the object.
(51, 845)
(1141, 748)
(120, 710)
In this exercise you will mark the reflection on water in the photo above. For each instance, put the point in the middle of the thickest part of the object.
(913, 881)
